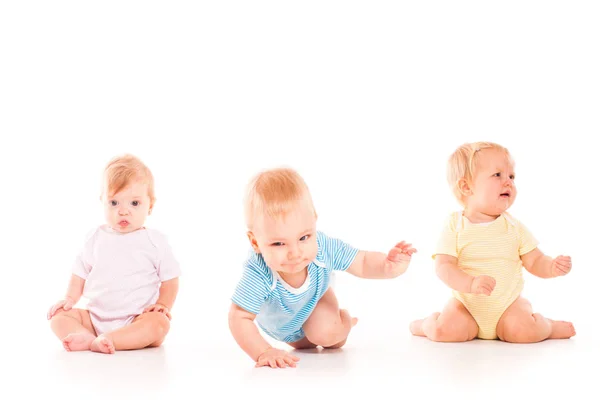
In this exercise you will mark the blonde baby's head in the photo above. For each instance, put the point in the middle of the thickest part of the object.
(481, 176)
(127, 193)
(281, 220)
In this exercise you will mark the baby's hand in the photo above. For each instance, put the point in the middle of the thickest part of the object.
(65, 304)
(276, 358)
(483, 285)
(561, 265)
(158, 308)
(398, 259)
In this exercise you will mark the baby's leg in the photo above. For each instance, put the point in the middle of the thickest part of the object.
(327, 325)
(302, 344)
(74, 328)
(453, 324)
(146, 330)
(519, 324)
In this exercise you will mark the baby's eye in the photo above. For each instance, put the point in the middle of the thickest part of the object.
(304, 238)
(512, 177)
(277, 244)
(114, 203)
(496, 174)
(135, 203)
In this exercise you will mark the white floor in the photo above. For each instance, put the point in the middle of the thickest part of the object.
(377, 360)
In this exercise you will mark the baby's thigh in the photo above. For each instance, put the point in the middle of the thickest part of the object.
(326, 310)
(455, 321)
(80, 315)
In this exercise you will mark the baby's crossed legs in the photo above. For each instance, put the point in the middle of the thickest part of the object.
(327, 325)
(74, 328)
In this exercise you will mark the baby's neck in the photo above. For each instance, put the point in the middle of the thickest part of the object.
(478, 217)
(295, 280)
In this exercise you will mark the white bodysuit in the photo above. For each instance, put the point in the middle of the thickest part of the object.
(123, 274)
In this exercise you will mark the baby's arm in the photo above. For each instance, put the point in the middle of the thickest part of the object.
(376, 265)
(446, 268)
(166, 297)
(543, 266)
(247, 336)
(168, 292)
(74, 292)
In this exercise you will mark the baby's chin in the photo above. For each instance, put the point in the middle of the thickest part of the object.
(498, 209)
(127, 229)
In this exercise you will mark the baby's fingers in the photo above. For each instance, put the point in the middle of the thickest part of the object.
(290, 361)
(68, 305)
(50, 312)
(563, 268)
(55, 308)
(261, 363)
(281, 363)
(405, 247)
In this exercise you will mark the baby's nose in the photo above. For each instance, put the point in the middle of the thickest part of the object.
(294, 252)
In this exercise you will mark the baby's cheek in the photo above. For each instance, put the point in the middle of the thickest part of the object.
(313, 253)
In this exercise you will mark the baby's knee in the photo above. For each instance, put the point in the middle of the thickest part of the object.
(520, 331)
(444, 332)
(60, 315)
(159, 325)
(440, 332)
(325, 337)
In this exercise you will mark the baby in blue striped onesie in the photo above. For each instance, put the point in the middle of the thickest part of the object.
(285, 283)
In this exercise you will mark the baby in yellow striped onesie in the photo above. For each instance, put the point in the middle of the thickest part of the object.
(480, 255)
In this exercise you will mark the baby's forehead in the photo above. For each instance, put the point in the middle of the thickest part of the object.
(134, 189)
(283, 226)
(495, 159)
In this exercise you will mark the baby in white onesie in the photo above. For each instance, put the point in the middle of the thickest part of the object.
(127, 272)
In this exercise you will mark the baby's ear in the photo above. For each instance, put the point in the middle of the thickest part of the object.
(151, 207)
(464, 187)
(253, 242)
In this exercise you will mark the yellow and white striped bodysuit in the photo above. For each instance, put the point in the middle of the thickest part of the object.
(493, 249)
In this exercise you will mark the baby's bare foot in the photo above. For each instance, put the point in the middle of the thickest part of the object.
(561, 330)
(78, 341)
(103, 344)
(345, 315)
(416, 327)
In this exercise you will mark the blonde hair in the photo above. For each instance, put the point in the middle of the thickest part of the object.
(123, 170)
(462, 164)
(274, 193)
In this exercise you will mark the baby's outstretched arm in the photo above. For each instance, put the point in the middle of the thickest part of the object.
(245, 333)
(376, 265)
(543, 266)
(446, 268)
(74, 292)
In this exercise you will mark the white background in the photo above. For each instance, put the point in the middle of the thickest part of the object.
(366, 100)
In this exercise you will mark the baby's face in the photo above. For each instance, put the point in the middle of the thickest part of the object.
(493, 188)
(126, 211)
(287, 243)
